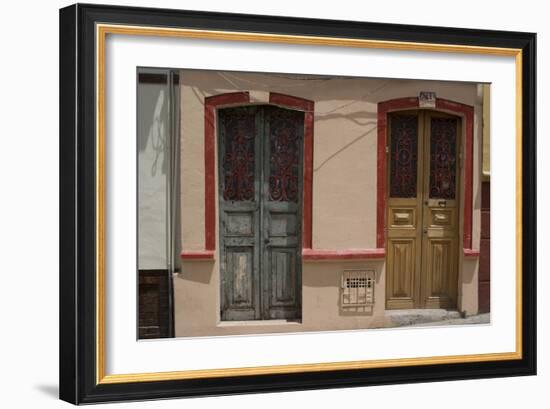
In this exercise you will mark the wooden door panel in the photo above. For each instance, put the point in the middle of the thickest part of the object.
(441, 273)
(239, 224)
(284, 283)
(442, 218)
(239, 283)
(401, 217)
(283, 225)
(402, 270)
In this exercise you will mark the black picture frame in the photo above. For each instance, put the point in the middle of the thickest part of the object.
(78, 318)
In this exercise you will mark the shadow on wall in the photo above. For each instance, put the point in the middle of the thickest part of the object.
(306, 86)
(349, 91)
(153, 118)
(469, 268)
(346, 146)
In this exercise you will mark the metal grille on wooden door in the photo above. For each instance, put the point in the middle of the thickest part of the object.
(422, 225)
(260, 178)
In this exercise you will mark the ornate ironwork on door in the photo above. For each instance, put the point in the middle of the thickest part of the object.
(443, 158)
(285, 147)
(404, 155)
(238, 156)
(260, 197)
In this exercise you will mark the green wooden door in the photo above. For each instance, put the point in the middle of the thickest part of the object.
(260, 174)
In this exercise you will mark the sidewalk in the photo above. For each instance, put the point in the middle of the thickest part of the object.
(431, 317)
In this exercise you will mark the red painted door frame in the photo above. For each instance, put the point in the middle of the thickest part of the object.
(466, 112)
(211, 104)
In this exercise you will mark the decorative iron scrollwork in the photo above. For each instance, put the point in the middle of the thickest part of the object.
(404, 155)
(238, 130)
(285, 139)
(443, 158)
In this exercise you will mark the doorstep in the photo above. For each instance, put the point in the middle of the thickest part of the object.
(402, 318)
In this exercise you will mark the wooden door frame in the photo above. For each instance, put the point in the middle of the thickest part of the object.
(465, 177)
(466, 112)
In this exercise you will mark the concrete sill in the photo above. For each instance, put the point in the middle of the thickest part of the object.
(198, 255)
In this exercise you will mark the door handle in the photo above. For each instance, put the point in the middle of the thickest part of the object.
(425, 231)
(267, 241)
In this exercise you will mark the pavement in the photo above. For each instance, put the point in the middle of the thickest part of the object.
(432, 317)
(473, 319)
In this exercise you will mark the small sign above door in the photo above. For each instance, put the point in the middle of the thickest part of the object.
(426, 99)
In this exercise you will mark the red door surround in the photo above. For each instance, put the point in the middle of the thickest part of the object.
(210, 105)
(242, 98)
(462, 110)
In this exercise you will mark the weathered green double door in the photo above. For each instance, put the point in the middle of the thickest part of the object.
(260, 201)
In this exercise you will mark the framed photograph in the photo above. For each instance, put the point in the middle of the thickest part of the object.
(257, 203)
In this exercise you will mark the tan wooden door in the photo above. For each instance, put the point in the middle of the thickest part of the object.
(422, 216)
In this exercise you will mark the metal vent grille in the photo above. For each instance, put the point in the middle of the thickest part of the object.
(357, 288)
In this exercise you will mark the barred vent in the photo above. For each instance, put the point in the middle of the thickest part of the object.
(357, 288)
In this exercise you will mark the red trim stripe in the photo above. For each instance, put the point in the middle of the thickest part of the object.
(347, 254)
(466, 112)
(197, 255)
(290, 101)
(471, 253)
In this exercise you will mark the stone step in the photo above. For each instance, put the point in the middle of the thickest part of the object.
(401, 318)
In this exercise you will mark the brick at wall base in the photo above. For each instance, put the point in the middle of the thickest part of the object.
(484, 280)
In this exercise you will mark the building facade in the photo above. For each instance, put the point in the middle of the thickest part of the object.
(311, 203)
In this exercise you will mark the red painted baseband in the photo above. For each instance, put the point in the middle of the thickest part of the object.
(347, 254)
(197, 255)
(471, 253)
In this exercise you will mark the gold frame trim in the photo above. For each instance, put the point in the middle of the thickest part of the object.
(101, 32)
